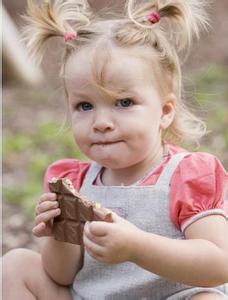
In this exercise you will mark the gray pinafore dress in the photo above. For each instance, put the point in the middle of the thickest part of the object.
(148, 208)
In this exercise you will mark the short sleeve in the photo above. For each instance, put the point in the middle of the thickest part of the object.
(198, 188)
(73, 169)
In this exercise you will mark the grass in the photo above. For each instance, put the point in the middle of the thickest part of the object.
(40, 149)
(211, 92)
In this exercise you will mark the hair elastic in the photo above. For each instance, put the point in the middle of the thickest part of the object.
(69, 36)
(154, 17)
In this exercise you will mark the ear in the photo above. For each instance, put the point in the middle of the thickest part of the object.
(168, 111)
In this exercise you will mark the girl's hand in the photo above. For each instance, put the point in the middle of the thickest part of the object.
(45, 211)
(111, 242)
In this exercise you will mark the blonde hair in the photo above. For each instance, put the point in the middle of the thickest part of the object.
(170, 40)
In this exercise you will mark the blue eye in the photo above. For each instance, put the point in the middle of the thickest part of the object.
(84, 106)
(124, 102)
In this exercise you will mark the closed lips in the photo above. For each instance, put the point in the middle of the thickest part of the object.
(105, 143)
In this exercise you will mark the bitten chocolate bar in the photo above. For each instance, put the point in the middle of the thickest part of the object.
(75, 211)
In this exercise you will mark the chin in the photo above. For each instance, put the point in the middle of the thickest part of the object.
(114, 164)
(109, 162)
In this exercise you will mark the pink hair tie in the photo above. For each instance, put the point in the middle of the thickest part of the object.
(69, 36)
(154, 17)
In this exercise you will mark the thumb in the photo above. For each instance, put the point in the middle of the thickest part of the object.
(116, 218)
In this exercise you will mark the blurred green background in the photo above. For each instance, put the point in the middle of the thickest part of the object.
(36, 129)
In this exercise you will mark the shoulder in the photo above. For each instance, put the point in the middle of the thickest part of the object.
(203, 181)
(67, 165)
(73, 169)
(197, 165)
(200, 175)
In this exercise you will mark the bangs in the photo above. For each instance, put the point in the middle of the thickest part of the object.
(101, 58)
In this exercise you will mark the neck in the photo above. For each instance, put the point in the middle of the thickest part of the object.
(130, 175)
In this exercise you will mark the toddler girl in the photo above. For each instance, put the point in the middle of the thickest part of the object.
(122, 78)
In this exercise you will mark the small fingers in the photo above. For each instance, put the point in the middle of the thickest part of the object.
(48, 197)
(97, 228)
(45, 206)
(42, 230)
(38, 229)
(94, 250)
(87, 232)
(45, 203)
(47, 215)
(46, 210)
(99, 240)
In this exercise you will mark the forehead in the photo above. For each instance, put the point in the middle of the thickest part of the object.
(113, 67)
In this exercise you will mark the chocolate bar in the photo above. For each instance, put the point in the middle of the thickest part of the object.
(75, 211)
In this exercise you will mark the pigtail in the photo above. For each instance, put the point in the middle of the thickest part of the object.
(186, 19)
(57, 18)
(137, 12)
(179, 21)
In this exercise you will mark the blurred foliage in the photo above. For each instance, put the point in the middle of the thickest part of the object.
(50, 142)
(211, 92)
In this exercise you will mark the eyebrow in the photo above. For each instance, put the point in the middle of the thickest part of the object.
(79, 94)
(117, 92)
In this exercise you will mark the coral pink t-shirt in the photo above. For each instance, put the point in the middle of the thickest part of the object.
(197, 189)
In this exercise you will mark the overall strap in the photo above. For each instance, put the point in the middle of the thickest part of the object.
(166, 175)
(92, 173)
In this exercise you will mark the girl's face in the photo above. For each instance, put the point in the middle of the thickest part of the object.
(121, 132)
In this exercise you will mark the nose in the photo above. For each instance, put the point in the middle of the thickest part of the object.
(103, 121)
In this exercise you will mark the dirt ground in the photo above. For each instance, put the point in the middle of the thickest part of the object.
(212, 49)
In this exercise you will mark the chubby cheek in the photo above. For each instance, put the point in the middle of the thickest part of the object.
(145, 141)
(144, 134)
(81, 139)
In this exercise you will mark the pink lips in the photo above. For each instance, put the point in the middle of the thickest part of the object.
(103, 143)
